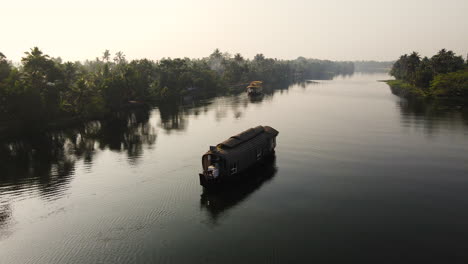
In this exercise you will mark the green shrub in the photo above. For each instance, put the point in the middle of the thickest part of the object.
(454, 84)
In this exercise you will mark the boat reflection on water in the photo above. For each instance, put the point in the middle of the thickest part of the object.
(256, 98)
(217, 201)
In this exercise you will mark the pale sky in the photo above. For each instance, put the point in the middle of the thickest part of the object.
(284, 29)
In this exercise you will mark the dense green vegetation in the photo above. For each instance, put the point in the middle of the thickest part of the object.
(443, 75)
(44, 89)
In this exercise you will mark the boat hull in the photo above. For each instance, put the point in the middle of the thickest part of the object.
(254, 93)
(223, 180)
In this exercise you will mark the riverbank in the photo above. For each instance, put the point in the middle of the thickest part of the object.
(426, 101)
(15, 128)
(44, 89)
(444, 75)
(453, 86)
(404, 89)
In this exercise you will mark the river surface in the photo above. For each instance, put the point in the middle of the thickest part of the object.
(359, 175)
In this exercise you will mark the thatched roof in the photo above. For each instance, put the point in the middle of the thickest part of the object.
(255, 84)
(246, 135)
(271, 130)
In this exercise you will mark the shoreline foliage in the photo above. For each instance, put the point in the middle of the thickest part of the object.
(43, 89)
(443, 75)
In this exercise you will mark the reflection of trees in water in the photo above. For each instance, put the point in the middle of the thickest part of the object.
(220, 113)
(238, 104)
(174, 114)
(42, 161)
(5, 214)
(173, 117)
(46, 161)
(127, 131)
(5, 217)
(217, 201)
(271, 89)
(347, 75)
(433, 114)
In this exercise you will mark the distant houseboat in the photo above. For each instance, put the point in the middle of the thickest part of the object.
(255, 88)
(237, 154)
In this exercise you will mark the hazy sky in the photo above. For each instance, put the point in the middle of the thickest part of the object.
(325, 29)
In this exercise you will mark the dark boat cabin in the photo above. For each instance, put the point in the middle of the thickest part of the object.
(237, 154)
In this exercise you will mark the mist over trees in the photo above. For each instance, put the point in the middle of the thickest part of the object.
(445, 74)
(373, 66)
(44, 88)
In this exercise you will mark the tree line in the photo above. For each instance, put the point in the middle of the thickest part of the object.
(43, 88)
(445, 74)
(373, 66)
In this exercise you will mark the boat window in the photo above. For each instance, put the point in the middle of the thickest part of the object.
(209, 160)
(233, 168)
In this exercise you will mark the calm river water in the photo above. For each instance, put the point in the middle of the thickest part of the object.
(359, 175)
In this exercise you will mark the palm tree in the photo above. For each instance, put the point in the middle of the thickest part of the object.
(259, 57)
(412, 64)
(36, 64)
(446, 61)
(4, 67)
(120, 58)
(216, 54)
(106, 56)
(238, 57)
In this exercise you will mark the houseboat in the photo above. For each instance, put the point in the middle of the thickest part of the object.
(255, 88)
(237, 154)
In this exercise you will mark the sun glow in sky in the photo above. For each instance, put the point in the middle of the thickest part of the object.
(286, 29)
